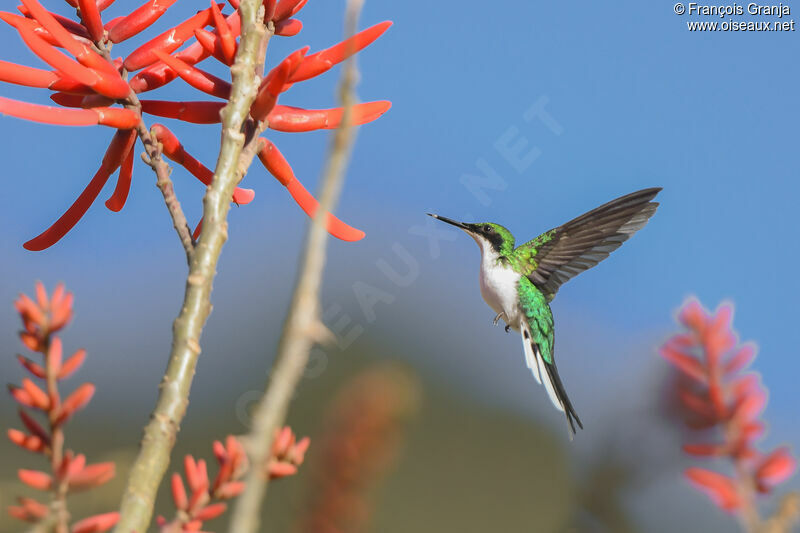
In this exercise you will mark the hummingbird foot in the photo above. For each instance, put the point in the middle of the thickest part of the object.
(498, 317)
(508, 328)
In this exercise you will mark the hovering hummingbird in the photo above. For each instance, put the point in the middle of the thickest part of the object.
(519, 283)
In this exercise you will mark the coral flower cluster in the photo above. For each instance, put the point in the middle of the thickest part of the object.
(44, 413)
(90, 87)
(715, 392)
(204, 501)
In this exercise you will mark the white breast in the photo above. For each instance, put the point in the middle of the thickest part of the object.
(499, 289)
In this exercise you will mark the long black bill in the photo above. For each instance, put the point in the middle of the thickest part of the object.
(450, 221)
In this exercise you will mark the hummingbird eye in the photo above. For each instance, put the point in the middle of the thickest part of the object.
(488, 229)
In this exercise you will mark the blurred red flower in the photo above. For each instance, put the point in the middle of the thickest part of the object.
(715, 391)
(41, 319)
(204, 500)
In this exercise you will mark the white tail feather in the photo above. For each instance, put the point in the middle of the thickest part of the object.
(527, 345)
(548, 385)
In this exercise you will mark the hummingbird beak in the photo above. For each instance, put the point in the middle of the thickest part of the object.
(450, 221)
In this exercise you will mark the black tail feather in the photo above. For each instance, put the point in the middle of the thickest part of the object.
(569, 410)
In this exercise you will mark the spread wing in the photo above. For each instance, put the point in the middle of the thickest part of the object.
(562, 253)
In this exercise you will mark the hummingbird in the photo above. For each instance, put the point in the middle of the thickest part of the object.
(519, 283)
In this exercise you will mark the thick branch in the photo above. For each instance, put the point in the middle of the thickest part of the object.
(302, 325)
(160, 433)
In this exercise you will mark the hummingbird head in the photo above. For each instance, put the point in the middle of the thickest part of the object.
(492, 238)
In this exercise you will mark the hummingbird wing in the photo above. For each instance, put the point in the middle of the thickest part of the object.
(536, 327)
(562, 253)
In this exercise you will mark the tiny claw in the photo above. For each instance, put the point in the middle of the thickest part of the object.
(498, 317)
(508, 328)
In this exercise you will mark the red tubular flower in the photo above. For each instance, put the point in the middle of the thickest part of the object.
(33, 426)
(716, 395)
(71, 86)
(210, 512)
(276, 164)
(288, 27)
(35, 479)
(120, 146)
(68, 24)
(167, 41)
(109, 82)
(76, 401)
(21, 396)
(721, 489)
(97, 523)
(139, 20)
(117, 200)
(28, 76)
(106, 116)
(68, 100)
(72, 364)
(179, 493)
(287, 8)
(174, 150)
(160, 74)
(200, 80)
(87, 85)
(269, 7)
(295, 119)
(28, 442)
(194, 112)
(90, 14)
(38, 398)
(226, 36)
(205, 501)
(58, 60)
(212, 41)
(18, 22)
(32, 367)
(28, 510)
(324, 60)
(776, 468)
(683, 362)
(274, 84)
(287, 454)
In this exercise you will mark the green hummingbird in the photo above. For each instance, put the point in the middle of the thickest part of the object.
(519, 283)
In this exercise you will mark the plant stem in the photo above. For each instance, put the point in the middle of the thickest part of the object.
(164, 184)
(160, 433)
(748, 513)
(60, 486)
(302, 325)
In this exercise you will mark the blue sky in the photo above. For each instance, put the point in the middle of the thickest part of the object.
(634, 100)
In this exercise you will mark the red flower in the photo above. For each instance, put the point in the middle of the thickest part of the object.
(715, 394)
(90, 88)
(197, 505)
(41, 319)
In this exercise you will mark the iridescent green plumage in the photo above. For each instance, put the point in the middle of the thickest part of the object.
(519, 283)
(523, 259)
(540, 319)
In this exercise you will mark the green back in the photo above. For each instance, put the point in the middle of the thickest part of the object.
(524, 258)
(540, 318)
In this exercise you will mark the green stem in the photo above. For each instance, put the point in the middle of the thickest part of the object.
(160, 433)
